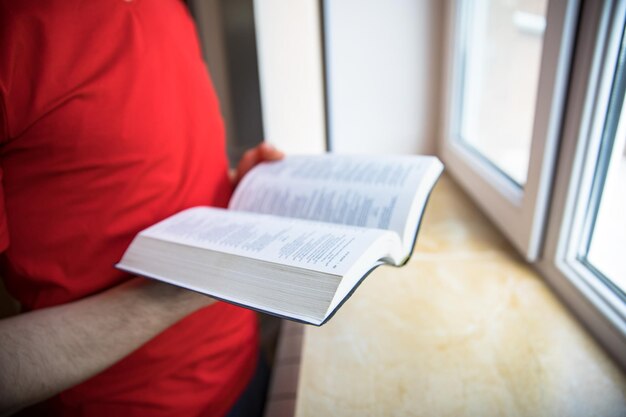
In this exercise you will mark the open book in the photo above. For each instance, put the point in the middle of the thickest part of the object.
(299, 235)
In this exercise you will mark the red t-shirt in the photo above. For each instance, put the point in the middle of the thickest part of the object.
(109, 123)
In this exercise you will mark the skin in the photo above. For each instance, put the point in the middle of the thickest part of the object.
(254, 156)
(50, 350)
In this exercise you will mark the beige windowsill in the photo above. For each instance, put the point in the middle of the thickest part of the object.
(466, 328)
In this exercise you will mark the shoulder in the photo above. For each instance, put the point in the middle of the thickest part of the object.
(46, 50)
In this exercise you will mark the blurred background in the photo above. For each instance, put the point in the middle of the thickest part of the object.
(496, 88)
(379, 77)
(350, 76)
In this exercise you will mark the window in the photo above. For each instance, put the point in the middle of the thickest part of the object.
(535, 131)
(584, 247)
(501, 56)
(603, 240)
(508, 71)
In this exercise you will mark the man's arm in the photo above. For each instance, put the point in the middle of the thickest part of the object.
(47, 351)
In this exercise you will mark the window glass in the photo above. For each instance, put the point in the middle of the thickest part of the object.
(502, 44)
(604, 239)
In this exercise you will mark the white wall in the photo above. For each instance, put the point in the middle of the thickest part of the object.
(383, 74)
(384, 62)
(290, 73)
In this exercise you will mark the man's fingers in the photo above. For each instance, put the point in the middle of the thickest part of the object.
(249, 159)
(254, 156)
(269, 153)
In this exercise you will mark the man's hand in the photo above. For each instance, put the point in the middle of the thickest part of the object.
(252, 157)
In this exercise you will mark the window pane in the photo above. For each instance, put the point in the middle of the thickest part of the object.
(503, 40)
(604, 248)
(607, 249)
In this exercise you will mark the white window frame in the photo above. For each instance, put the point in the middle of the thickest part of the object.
(519, 213)
(598, 307)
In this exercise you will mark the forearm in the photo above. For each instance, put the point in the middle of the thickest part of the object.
(47, 351)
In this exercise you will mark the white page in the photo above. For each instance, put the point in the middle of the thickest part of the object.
(366, 191)
(322, 247)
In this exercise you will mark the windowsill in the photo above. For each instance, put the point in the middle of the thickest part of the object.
(466, 328)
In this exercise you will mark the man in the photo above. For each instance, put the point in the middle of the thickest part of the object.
(109, 123)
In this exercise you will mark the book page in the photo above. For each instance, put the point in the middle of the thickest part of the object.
(325, 248)
(367, 191)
